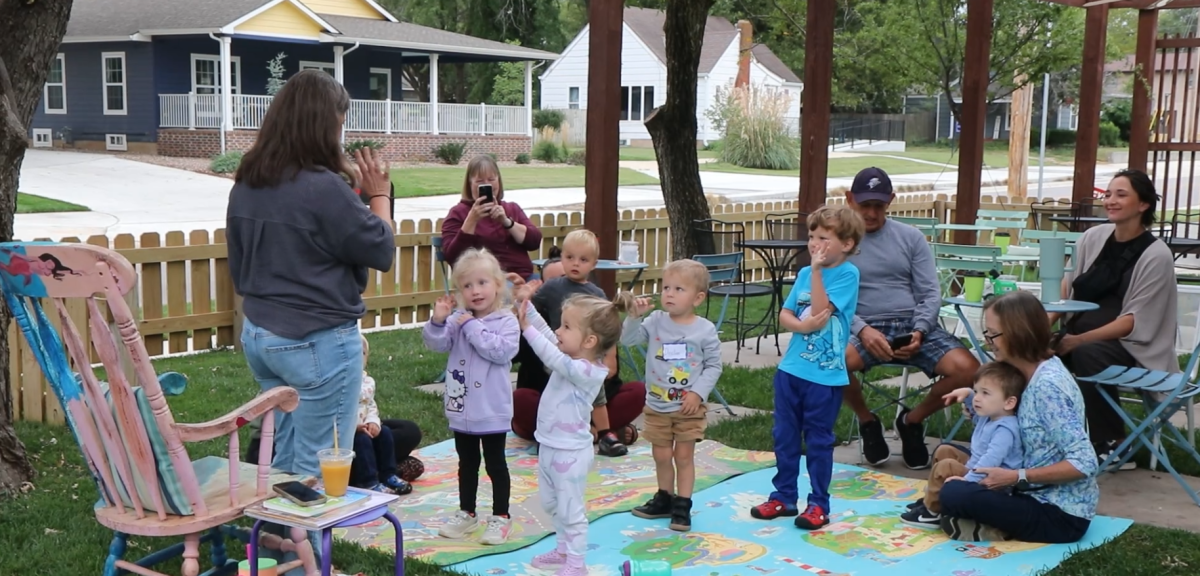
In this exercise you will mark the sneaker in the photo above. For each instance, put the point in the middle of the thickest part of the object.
(658, 506)
(394, 485)
(1104, 450)
(912, 436)
(966, 530)
(410, 468)
(681, 514)
(628, 435)
(496, 532)
(551, 559)
(813, 518)
(568, 570)
(918, 503)
(459, 525)
(921, 516)
(772, 509)
(610, 445)
(874, 448)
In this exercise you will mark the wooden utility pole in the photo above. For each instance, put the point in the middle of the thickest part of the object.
(603, 121)
(972, 114)
(816, 102)
(1091, 84)
(1020, 112)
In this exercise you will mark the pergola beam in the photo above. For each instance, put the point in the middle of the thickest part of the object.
(603, 121)
(972, 112)
(1091, 83)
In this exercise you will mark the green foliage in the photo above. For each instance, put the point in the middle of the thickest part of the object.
(508, 88)
(548, 118)
(275, 72)
(577, 158)
(1110, 135)
(714, 145)
(754, 132)
(226, 163)
(522, 158)
(1055, 138)
(1120, 113)
(354, 145)
(547, 151)
(450, 152)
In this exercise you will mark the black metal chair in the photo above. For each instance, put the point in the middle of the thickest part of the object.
(788, 226)
(720, 252)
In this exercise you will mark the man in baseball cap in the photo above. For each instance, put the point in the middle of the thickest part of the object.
(898, 300)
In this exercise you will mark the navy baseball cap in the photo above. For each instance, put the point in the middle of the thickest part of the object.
(871, 184)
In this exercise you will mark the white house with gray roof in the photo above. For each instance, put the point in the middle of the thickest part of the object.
(189, 77)
(644, 72)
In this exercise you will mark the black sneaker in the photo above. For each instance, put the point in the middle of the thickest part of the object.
(659, 506)
(921, 516)
(1104, 450)
(874, 447)
(681, 514)
(610, 445)
(912, 436)
(918, 503)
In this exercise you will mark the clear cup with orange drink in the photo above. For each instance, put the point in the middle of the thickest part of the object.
(335, 470)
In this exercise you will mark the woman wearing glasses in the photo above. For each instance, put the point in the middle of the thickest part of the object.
(1053, 497)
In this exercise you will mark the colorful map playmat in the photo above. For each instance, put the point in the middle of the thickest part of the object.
(866, 537)
(615, 485)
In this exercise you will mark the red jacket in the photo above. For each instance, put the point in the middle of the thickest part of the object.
(490, 234)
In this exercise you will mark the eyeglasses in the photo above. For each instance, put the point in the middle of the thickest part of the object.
(991, 337)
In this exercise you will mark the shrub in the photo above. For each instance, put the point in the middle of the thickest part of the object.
(1120, 113)
(450, 152)
(522, 158)
(1110, 135)
(547, 151)
(713, 146)
(548, 118)
(1057, 137)
(354, 145)
(226, 163)
(753, 126)
(577, 158)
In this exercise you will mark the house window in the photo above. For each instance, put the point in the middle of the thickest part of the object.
(636, 102)
(206, 74)
(326, 66)
(573, 98)
(114, 82)
(1073, 123)
(55, 91)
(380, 81)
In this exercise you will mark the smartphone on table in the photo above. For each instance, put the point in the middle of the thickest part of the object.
(299, 494)
(485, 192)
(901, 341)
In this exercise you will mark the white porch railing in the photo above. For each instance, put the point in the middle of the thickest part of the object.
(204, 111)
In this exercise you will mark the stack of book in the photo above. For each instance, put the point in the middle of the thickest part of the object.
(329, 513)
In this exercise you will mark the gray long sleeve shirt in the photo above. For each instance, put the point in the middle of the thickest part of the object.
(898, 278)
(679, 357)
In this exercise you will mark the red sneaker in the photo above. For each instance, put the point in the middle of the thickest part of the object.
(813, 518)
(772, 509)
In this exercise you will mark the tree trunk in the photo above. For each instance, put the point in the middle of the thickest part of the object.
(33, 31)
(672, 127)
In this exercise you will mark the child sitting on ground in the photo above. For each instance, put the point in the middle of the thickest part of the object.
(374, 465)
(812, 374)
(680, 374)
(996, 441)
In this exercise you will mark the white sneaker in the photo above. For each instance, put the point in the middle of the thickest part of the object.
(459, 525)
(497, 531)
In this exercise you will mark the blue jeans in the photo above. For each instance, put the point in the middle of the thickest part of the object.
(325, 368)
(374, 459)
(805, 413)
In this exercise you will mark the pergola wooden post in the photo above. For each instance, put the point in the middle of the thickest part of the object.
(1143, 75)
(972, 113)
(1091, 84)
(603, 122)
(816, 103)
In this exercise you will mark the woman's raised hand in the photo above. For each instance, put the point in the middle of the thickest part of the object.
(373, 173)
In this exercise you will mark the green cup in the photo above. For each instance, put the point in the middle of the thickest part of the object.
(1003, 239)
(973, 286)
(1004, 285)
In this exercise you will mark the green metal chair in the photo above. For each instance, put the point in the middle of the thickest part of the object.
(1011, 220)
(927, 226)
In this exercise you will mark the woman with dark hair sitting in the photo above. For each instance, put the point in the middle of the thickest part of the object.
(1130, 274)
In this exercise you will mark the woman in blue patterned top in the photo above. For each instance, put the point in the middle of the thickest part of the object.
(1053, 498)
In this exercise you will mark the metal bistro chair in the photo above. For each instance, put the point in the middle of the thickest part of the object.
(927, 226)
(788, 226)
(1005, 220)
(726, 266)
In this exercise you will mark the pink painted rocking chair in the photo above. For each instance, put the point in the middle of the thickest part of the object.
(130, 441)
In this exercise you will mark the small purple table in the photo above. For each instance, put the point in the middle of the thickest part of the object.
(375, 509)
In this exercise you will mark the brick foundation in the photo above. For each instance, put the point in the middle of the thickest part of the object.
(397, 147)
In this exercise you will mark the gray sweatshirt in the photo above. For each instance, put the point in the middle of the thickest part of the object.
(898, 278)
(680, 358)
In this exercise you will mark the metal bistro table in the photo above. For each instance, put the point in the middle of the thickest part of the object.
(1062, 307)
(615, 265)
(1181, 247)
(779, 256)
(1079, 223)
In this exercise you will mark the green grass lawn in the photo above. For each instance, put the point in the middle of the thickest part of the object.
(31, 204)
(838, 167)
(415, 182)
(54, 520)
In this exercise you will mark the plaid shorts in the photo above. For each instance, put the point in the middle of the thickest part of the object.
(934, 345)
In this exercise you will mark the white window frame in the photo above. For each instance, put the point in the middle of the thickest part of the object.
(62, 59)
(43, 138)
(1073, 120)
(118, 142)
(235, 79)
(328, 67)
(627, 97)
(1008, 118)
(104, 84)
(573, 104)
(388, 73)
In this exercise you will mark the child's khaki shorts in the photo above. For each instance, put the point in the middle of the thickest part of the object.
(664, 428)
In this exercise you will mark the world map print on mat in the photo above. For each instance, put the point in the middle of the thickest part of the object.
(865, 537)
(614, 485)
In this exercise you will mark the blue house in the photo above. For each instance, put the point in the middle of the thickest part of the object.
(189, 77)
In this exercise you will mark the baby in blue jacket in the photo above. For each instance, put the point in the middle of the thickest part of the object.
(996, 442)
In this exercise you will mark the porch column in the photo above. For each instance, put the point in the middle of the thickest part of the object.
(433, 93)
(226, 90)
(1091, 82)
(529, 98)
(338, 52)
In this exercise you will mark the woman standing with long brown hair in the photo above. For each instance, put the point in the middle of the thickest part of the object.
(301, 244)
